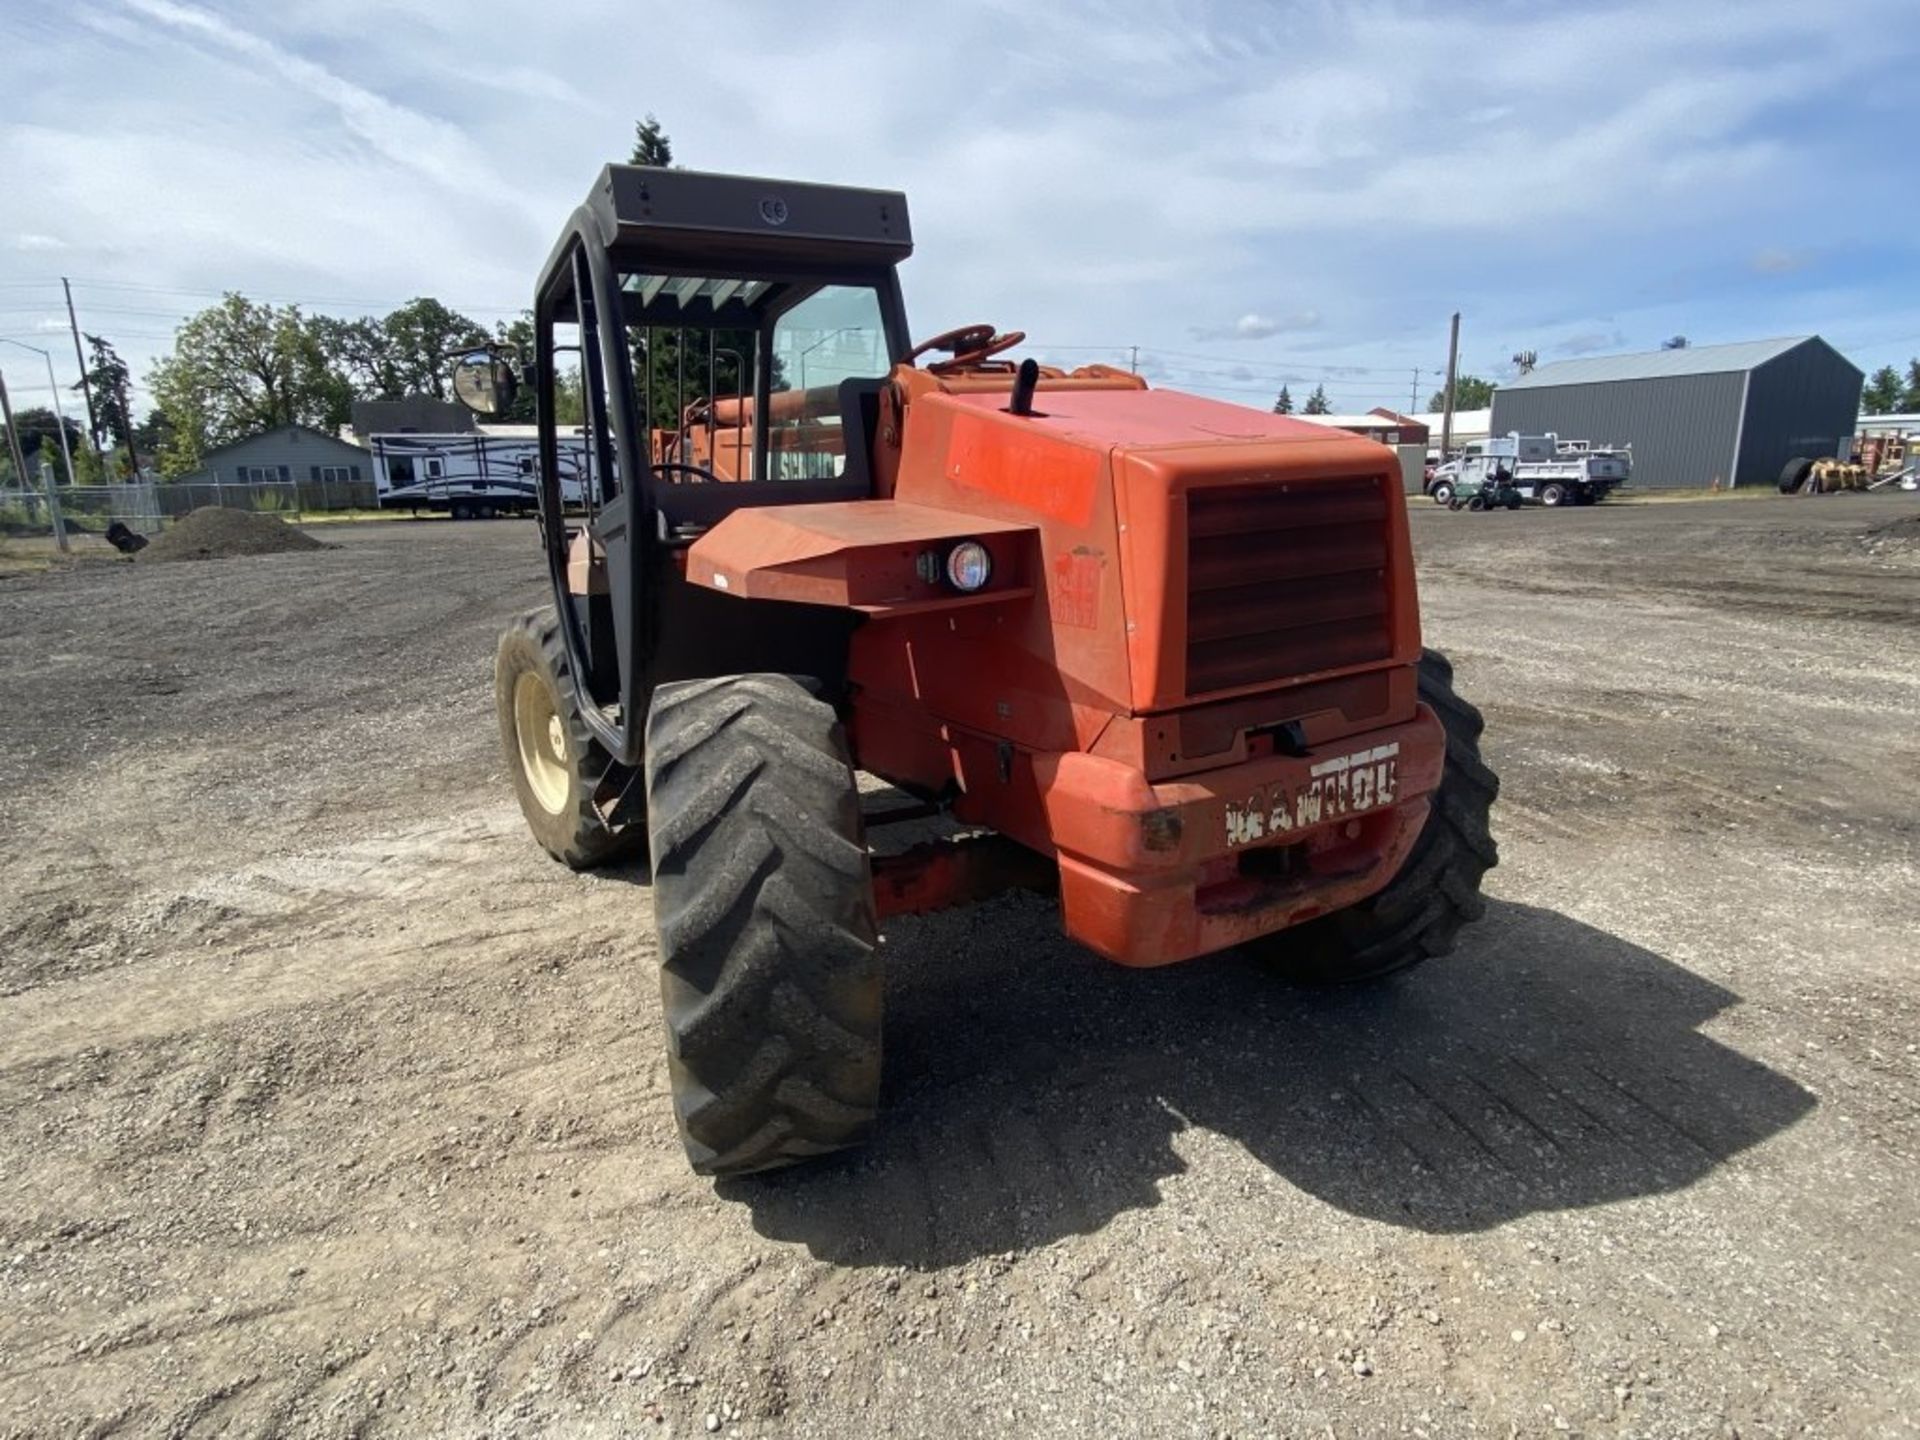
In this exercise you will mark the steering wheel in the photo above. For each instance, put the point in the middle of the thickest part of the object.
(966, 345)
(684, 474)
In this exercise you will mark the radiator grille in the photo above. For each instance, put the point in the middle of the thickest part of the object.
(1284, 580)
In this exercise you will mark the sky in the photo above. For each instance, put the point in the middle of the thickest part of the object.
(1251, 194)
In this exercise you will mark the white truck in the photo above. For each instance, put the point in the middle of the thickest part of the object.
(1545, 469)
(472, 476)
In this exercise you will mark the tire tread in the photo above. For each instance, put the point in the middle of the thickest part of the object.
(770, 972)
(1421, 911)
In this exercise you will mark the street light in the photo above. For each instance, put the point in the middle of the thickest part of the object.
(59, 415)
(830, 335)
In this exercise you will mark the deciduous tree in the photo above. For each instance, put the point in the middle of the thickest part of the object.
(240, 367)
(1470, 392)
(400, 354)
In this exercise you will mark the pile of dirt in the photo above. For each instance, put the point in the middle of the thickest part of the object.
(214, 533)
(1898, 537)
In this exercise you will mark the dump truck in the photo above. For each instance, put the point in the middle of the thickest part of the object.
(1152, 654)
(1544, 469)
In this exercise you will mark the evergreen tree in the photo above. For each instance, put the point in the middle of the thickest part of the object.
(650, 144)
(1884, 394)
(1317, 403)
(106, 379)
(1283, 405)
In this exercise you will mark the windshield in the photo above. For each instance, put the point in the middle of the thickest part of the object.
(700, 343)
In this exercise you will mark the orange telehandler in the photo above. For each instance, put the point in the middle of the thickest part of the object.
(1158, 653)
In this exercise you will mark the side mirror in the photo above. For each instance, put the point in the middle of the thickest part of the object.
(484, 382)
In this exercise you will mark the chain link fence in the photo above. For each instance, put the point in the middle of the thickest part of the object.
(280, 497)
(59, 512)
(63, 511)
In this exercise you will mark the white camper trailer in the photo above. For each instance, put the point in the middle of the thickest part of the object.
(473, 476)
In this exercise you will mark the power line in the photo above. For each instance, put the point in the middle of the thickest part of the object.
(1310, 366)
(285, 297)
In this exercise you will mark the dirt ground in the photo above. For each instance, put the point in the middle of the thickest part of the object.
(332, 1107)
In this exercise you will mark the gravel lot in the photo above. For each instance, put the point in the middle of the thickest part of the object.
(331, 1107)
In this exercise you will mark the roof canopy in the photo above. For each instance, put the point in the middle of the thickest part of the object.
(690, 216)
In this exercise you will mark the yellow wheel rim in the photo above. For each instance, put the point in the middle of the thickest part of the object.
(542, 740)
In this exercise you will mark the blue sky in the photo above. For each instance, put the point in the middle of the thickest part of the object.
(1249, 193)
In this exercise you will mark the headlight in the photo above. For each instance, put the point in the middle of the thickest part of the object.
(969, 566)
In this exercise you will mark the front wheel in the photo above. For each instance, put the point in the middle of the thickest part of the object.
(1553, 494)
(770, 974)
(1421, 910)
(555, 762)
(1443, 492)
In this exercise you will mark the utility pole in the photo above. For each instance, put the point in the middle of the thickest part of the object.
(1133, 361)
(1453, 374)
(86, 390)
(1413, 400)
(13, 435)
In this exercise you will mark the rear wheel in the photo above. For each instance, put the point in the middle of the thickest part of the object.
(1421, 910)
(770, 974)
(1513, 500)
(555, 762)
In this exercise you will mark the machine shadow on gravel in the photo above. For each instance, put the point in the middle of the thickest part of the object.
(1034, 1092)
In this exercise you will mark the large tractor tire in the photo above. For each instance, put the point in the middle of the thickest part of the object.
(1794, 474)
(1418, 914)
(555, 762)
(770, 974)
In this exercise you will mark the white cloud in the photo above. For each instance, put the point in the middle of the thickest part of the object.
(407, 138)
(1779, 260)
(1255, 326)
(29, 243)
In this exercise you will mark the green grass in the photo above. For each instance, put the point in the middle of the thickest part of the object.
(1684, 497)
(354, 517)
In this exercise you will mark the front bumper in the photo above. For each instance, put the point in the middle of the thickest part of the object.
(1151, 874)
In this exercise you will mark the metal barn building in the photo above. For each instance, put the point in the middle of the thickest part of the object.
(1731, 414)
